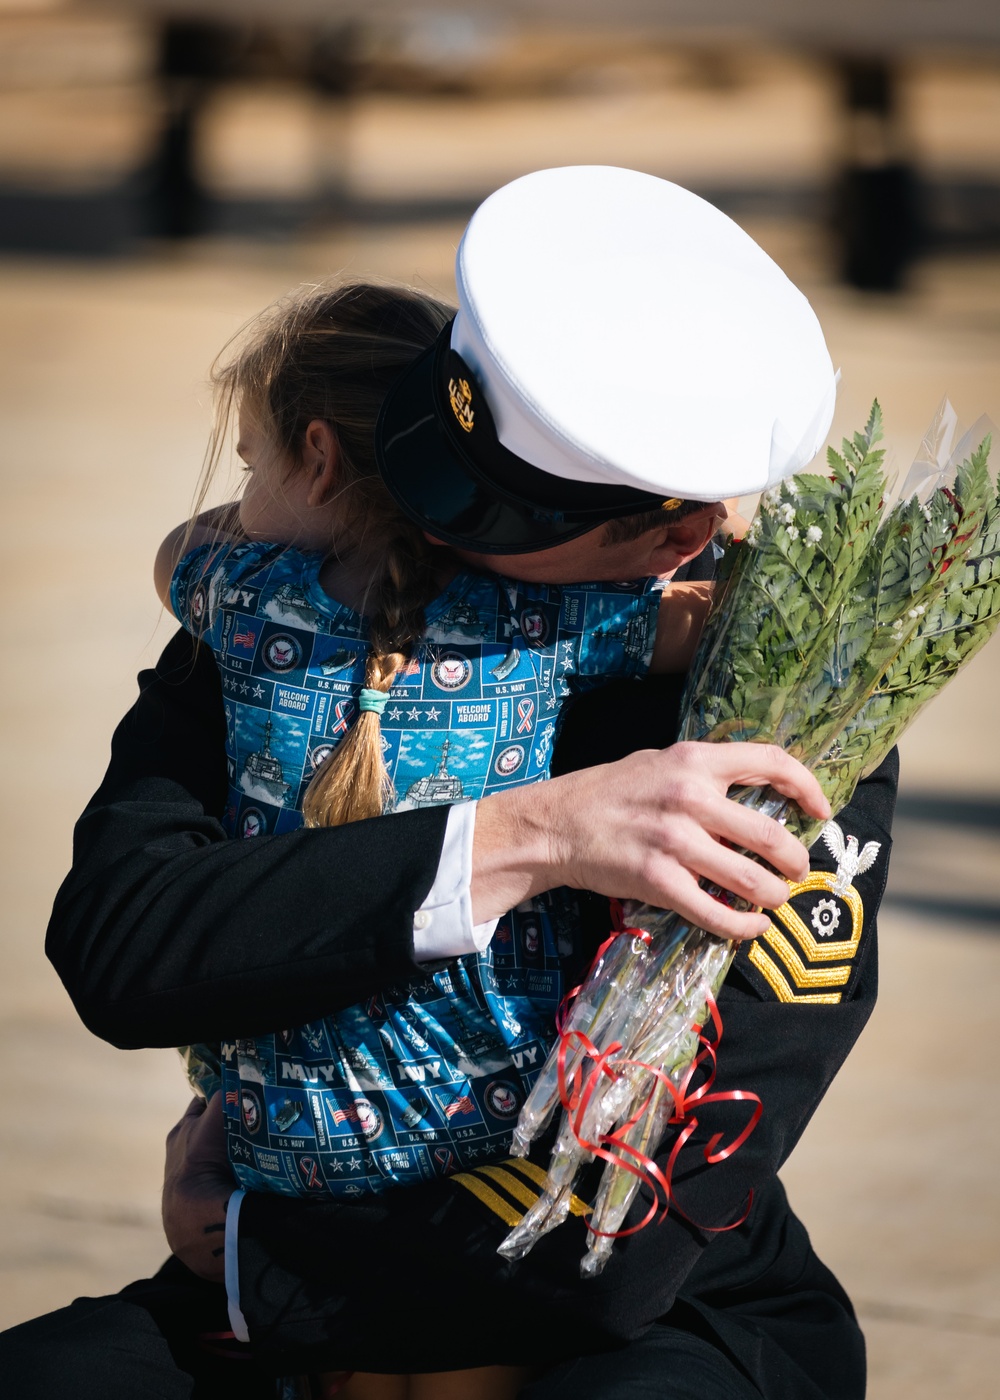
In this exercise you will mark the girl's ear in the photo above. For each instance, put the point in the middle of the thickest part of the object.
(321, 460)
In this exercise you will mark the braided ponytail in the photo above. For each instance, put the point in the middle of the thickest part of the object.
(354, 783)
(332, 354)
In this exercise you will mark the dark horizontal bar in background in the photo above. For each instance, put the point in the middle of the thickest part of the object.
(944, 809)
(101, 223)
(956, 214)
(950, 909)
(892, 25)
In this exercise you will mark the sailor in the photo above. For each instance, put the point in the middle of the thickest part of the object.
(621, 349)
(621, 346)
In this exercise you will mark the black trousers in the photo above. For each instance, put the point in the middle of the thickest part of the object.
(164, 1339)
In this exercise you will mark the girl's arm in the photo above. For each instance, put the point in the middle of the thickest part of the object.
(683, 610)
(210, 527)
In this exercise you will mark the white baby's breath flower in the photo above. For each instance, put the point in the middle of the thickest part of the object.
(927, 513)
(793, 532)
(814, 534)
(786, 512)
(753, 534)
(918, 611)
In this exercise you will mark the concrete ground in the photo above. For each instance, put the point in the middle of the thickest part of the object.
(105, 415)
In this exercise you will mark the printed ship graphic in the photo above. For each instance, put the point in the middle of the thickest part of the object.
(262, 774)
(435, 788)
(478, 1048)
(632, 637)
(340, 659)
(460, 623)
(289, 601)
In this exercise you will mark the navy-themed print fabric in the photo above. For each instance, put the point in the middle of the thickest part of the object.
(428, 1077)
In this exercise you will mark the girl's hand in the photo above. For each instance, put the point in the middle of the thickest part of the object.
(196, 1189)
(647, 828)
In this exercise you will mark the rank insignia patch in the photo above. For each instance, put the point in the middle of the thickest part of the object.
(808, 953)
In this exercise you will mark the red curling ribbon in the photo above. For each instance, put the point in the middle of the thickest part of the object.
(618, 924)
(575, 1096)
(577, 1090)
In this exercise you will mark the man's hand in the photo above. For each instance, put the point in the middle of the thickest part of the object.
(196, 1189)
(648, 828)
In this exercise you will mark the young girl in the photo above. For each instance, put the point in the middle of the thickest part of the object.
(363, 667)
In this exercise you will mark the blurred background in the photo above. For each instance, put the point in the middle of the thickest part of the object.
(165, 171)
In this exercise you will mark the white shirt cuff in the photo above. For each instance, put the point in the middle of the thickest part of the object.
(236, 1319)
(442, 926)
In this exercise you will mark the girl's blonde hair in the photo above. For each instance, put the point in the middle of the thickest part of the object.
(332, 353)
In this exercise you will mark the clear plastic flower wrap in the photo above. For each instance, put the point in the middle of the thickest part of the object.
(835, 625)
(203, 1067)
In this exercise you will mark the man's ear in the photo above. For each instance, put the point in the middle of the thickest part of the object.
(321, 459)
(688, 537)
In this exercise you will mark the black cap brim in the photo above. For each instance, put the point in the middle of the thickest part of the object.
(463, 486)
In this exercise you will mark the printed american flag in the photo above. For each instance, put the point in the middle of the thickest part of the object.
(232, 1096)
(345, 1115)
(244, 639)
(462, 1105)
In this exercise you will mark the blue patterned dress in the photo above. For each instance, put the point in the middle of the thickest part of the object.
(427, 1077)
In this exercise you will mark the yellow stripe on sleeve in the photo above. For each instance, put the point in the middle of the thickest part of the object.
(490, 1198)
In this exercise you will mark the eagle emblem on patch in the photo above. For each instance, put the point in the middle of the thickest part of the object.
(850, 859)
(807, 955)
(460, 398)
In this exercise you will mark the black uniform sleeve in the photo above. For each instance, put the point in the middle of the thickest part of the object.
(792, 1007)
(164, 932)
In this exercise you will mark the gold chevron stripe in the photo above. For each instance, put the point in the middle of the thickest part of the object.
(489, 1198)
(826, 951)
(511, 1184)
(804, 976)
(772, 975)
(537, 1175)
(529, 1169)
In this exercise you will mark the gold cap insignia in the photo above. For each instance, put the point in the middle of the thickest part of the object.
(460, 396)
(672, 504)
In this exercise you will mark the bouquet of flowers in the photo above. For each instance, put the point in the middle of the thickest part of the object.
(838, 620)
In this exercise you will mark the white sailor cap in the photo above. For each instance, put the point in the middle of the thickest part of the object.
(620, 345)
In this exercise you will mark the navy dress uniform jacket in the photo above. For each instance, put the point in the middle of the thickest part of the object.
(164, 933)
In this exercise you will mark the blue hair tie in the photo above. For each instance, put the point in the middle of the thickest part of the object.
(374, 700)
